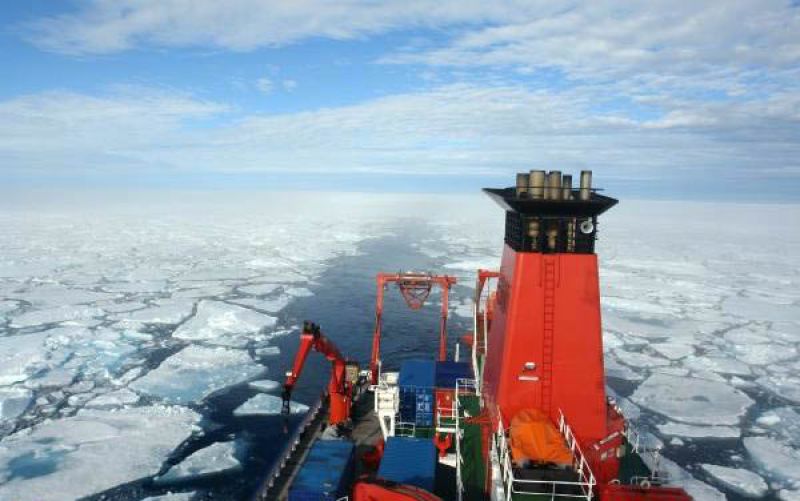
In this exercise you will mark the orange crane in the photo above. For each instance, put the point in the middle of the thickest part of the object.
(344, 373)
(415, 288)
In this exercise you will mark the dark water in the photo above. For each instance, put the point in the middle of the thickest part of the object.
(344, 305)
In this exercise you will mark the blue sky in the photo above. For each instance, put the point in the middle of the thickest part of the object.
(668, 100)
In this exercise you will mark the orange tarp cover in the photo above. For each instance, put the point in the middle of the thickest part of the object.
(535, 438)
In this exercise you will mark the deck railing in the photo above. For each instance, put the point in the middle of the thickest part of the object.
(463, 387)
(552, 488)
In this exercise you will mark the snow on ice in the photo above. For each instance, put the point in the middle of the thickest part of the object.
(214, 459)
(215, 320)
(742, 481)
(80, 455)
(692, 400)
(267, 405)
(775, 460)
(196, 372)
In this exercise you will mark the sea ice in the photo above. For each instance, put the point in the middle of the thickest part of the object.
(717, 364)
(166, 312)
(696, 431)
(81, 455)
(74, 314)
(267, 351)
(216, 458)
(196, 372)
(118, 398)
(673, 351)
(264, 404)
(692, 400)
(783, 421)
(215, 320)
(789, 495)
(50, 295)
(14, 402)
(21, 356)
(171, 496)
(265, 385)
(700, 491)
(787, 386)
(616, 370)
(298, 292)
(763, 354)
(637, 359)
(259, 289)
(270, 305)
(54, 378)
(742, 481)
(775, 460)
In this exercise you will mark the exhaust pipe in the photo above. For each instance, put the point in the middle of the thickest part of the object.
(536, 184)
(554, 185)
(566, 187)
(586, 185)
(522, 184)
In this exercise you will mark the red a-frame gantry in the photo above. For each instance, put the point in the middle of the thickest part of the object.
(415, 288)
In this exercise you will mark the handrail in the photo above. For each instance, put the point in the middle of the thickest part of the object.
(513, 485)
(463, 387)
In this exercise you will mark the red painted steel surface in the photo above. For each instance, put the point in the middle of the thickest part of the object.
(413, 286)
(374, 491)
(617, 492)
(545, 341)
(340, 392)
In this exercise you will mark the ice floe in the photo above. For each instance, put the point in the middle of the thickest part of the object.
(217, 458)
(266, 405)
(265, 385)
(73, 314)
(171, 496)
(696, 431)
(784, 422)
(692, 400)
(785, 386)
(215, 320)
(113, 399)
(270, 305)
(196, 372)
(80, 455)
(739, 480)
(259, 289)
(14, 402)
(21, 356)
(164, 312)
(775, 460)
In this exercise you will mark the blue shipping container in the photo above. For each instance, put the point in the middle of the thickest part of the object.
(326, 474)
(417, 380)
(447, 372)
(418, 373)
(410, 461)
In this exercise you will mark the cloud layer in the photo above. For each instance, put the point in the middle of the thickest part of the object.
(638, 89)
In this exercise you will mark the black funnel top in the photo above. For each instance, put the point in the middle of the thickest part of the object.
(507, 199)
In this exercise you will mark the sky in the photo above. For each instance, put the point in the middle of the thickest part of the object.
(661, 99)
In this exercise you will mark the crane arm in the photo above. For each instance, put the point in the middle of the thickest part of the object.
(312, 338)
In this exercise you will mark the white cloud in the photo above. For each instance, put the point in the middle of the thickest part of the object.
(264, 85)
(289, 85)
(452, 129)
(105, 26)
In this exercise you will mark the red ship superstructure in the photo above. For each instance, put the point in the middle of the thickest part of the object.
(526, 417)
